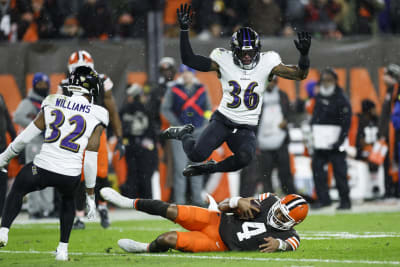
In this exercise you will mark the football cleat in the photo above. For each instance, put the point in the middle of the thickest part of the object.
(133, 246)
(61, 255)
(177, 132)
(200, 169)
(3, 237)
(116, 198)
(104, 220)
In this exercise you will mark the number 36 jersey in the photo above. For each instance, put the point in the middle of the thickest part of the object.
(247, 235)
(70, 122)
(242, 89)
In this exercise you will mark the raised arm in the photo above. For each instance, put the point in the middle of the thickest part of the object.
(196, 62)
(300, 71)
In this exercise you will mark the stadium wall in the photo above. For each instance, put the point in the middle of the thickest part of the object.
(359, 62)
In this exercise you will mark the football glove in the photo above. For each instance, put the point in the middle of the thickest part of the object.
(184, 16)
(303, 43)
(91, 207)
(120, 147)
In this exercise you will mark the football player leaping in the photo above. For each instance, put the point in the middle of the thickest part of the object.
(267, 226)
(106, 100)
(70, 125)
(244, 73)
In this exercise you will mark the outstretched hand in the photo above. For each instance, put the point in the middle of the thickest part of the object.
(184, 16)
(303, 43)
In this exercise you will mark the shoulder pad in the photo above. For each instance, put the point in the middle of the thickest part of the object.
(101, 114)
(217, 53)
(271, 57)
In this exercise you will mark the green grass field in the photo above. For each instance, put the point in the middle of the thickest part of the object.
(327, 240)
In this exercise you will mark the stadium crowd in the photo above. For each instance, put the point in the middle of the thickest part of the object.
(33, 20)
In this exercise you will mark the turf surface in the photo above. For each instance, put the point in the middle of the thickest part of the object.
(327, 240)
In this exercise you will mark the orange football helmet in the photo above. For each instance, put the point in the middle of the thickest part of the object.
(78, 59)
(287, 212)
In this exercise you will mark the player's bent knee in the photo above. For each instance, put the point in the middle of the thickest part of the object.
(244, 157)
(196, 156)
(168, 239)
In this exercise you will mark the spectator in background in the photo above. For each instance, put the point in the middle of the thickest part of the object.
(186, 101)
(95, 19)
(265, 17)
(366, 13)
(71, 29)
(8, 18)
(367, 131)
(391, 79)
(330, 125)
(141, 145)
(273, 139)
(294, 13)
(35, 22)
(320, 17)
(396, 124)
(6, 125)
(40, 203)
(131, 18)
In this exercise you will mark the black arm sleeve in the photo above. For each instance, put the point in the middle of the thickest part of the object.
(10, 125)
(196, 62)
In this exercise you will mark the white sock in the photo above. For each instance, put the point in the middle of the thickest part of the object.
(102, 206)
(125, 202)
(4, 230)
(62, 246)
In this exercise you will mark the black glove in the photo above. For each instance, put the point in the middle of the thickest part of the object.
(120, 148)
(184, 16)
(304, 42)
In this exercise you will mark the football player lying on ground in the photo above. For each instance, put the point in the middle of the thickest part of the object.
(70, 125)
(244, 73)
(241, 224)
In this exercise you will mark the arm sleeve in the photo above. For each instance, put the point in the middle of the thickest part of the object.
(166, 109)
(294, 242)
(196, 62)
(90, 168)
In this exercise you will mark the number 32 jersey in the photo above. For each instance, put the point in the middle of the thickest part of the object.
(247, 235)
(243, 89)
(70, 122)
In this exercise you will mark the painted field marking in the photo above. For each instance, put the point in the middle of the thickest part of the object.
(210, 257)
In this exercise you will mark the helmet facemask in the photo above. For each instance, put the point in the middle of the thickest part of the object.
(246, 43)
(278, 217)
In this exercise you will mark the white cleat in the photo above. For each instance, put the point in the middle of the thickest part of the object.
(3, 238)
(116, 198)
(132, 246)
(62, 255)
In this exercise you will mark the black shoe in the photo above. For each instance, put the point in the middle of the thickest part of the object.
(104, 221)
(200, 169)
(344, 206)
(177, 132)
(78, 224)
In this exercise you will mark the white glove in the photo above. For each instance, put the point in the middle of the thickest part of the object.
(91, 207)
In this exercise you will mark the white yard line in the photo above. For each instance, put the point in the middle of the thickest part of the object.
(170, 255)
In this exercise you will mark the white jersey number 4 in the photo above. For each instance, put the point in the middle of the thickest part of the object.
(257, 228)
